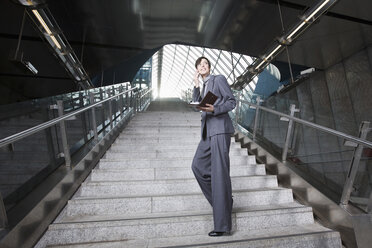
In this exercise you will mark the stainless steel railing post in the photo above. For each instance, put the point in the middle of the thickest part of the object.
(127, 97)
(103, 108)
(354, 164)
(62, 126)
(121, 105)
(114, 101)
(72, 102)
(237, 109)
(3, 215)
(134, 97)
(293, 110)
(110, 108)
(83, 117)
(49, 139)
(256, 116)
(94, 121)
(139, 101)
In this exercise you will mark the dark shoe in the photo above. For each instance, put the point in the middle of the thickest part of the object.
(217, 234)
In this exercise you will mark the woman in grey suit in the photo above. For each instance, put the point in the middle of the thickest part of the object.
(211, 163)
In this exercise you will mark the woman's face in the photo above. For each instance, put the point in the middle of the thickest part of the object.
(203, 68)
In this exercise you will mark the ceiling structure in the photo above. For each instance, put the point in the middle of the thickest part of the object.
(178, 68)
(104, 34)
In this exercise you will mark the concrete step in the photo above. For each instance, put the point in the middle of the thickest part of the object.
(173, 226)
(180, 158)
(169, 120)
(170, 128)
(142, 162)
(181, 136)
(161, 134)
(173, 117)
(167, 187)
(173, 153)
(157, 129)
(167, 115)
(161, 146)
(304, 215)
(105, 244)
(154, 142)
(185, 128)
(136, 205)
(99, 175)
(170, 141)
(308, 236)
(157, 124)
(153, 139)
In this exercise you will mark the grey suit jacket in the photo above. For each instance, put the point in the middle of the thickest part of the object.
(219, 121)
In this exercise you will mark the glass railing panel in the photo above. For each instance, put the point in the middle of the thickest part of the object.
(362, 187)
(24, 163)
(28, 161)
(323, 157)
(271, 130)
(77, 131)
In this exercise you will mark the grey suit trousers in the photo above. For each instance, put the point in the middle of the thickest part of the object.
(211, 167)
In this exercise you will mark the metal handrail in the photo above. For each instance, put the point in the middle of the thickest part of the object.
(313, 125)
(10, 139)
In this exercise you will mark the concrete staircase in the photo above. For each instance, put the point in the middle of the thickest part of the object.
(143, 194)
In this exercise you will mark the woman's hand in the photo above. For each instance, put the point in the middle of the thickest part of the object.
(209, 108)
(196, 79)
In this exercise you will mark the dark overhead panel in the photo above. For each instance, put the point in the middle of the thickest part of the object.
(106, 33)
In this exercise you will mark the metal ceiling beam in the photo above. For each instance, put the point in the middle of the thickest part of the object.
(282, 42)
(53, 35)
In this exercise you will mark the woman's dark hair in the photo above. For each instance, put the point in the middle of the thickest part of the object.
(200, 59)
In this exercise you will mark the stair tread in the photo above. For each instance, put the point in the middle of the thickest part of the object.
(205, 241)
(277, 208)
(170, 181)
(252, 235)
(174, 158)
(184, 194)
(271, 235)
(106, 170)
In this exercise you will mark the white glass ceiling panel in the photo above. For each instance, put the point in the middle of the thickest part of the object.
(178, 67)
